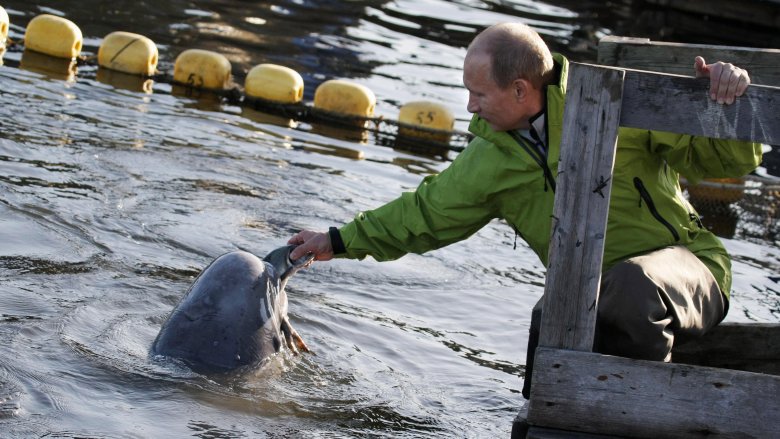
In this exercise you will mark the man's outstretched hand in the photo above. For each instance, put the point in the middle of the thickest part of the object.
(316, 243)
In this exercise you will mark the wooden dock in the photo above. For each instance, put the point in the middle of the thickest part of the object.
(578, 393)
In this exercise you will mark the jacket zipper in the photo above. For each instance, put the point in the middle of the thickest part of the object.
(538, 157)
(645, 195)
(696, 218)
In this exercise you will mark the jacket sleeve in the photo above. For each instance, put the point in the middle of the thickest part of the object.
(445, 208)
(696, 158)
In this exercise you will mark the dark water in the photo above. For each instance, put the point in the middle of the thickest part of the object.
(112, 200)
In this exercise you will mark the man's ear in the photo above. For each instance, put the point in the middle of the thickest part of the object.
(521, 89)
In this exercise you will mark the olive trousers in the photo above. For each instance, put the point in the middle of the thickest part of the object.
(646, 305)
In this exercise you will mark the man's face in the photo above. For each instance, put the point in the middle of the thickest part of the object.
(500, 107)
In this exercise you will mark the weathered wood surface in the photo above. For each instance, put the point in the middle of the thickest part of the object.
(548, 433)
(594, 393)
(677, 58)
(753, 347)
(589, 136)
(680, 104)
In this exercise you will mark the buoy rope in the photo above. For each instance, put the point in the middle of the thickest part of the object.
(302, 112)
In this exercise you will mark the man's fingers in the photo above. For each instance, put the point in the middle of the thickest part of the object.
(299, 252)
(742, 85)
(732, 90)
(700, 67)
(309, 242)
(300, 237)
(727, 82)
(295, 240)
(726, 76)
(716, 70)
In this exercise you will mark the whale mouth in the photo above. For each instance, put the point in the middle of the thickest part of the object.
(297, 264)
(301, 262)
(294, 265)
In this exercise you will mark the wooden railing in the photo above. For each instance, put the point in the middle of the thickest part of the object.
(575, 389)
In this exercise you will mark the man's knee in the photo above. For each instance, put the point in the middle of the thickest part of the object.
(633, 318)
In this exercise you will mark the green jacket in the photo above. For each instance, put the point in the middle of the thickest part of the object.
(494, 177)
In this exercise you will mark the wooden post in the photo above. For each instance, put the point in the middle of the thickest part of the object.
(588, 143)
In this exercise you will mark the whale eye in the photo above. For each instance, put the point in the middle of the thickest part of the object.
(277, 343)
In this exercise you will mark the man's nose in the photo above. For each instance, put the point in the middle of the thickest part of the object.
(473, 105)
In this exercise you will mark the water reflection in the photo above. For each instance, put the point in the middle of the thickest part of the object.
(125, 81)
(56, 68)
(267, 118)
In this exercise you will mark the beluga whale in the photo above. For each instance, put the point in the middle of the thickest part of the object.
(234, 315)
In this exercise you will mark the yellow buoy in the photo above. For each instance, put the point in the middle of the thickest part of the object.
(3, 26)
(344, 97)
(202, 69)
(716, 191)
(129, 53)
(428, 115)
(52, 35)
(274, 83)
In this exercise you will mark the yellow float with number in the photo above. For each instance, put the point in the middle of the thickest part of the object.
(128, 53)
(202, 69)
(344, 97)
(4, 23)
(427, 115)
(274, 83)
(52, 35)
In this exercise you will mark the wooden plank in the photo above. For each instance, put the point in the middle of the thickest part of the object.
(677, 58)
(549, 433)
(589, 137)
(680, 104)
(602, 394)
(753, 347)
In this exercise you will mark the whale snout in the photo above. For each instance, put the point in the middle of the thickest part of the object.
(280, 260)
